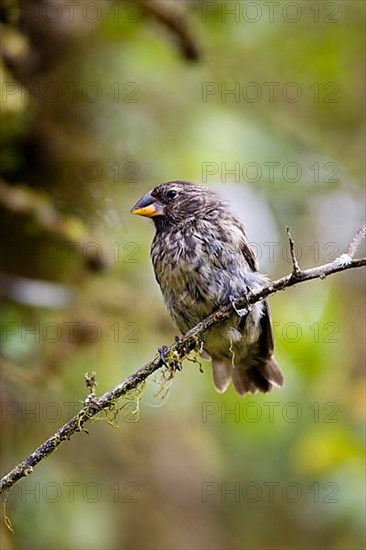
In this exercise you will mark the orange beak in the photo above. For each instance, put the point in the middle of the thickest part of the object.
(148, 206)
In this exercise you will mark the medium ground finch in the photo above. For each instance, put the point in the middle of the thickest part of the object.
(202, 259)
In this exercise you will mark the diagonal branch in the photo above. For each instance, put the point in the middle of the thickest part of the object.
(174, 355)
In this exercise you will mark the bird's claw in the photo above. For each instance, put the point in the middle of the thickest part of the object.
(163, 350)
(240, 312)
(174, 361)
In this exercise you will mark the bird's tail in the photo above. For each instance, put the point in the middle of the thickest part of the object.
(258, 370)
(262, 376)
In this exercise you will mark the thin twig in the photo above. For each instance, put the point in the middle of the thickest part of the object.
(295, 264)
(174, 355)
(356, 241)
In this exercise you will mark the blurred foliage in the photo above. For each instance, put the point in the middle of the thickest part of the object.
(97, 108)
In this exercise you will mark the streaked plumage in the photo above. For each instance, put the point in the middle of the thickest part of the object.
(202, 260)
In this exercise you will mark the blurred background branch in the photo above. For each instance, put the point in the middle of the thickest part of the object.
(173, 16)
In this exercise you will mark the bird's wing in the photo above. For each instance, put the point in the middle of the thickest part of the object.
(266, 338)
(246, 250)
(249, 256)
(260, 370)
(269, 369)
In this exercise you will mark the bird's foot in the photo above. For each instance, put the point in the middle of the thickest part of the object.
(163, 351)
(248, 306)
(174, 364)
(240, 312)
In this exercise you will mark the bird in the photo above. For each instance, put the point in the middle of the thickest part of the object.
(202, 259)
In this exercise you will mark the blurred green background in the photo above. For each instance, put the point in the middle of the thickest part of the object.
(264, 101)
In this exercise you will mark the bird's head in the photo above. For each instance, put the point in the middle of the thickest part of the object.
(173, 202)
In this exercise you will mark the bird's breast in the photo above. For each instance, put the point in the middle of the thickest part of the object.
(197, 272)
(183, 273)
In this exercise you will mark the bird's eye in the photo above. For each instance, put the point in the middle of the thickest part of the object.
(171, 194)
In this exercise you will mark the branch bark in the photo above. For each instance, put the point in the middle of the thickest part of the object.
(174, 354)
